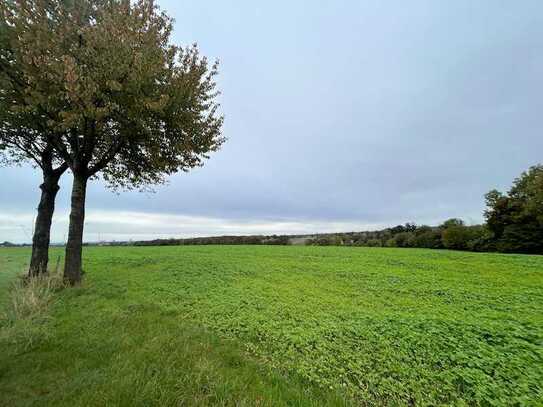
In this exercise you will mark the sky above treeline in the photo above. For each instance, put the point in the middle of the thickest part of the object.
(340, 115)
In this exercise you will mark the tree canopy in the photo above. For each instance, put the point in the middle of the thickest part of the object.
(516, 218)
(100, 82)
(99, 78)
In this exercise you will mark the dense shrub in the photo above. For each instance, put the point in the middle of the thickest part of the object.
(429, 238)
(391, 243)
(456, 237)
(402, 239)
(374, 243)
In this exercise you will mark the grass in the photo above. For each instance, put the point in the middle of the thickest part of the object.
(24, 319)
(257, 325)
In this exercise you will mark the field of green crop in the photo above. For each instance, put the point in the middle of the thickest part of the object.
(258, 325)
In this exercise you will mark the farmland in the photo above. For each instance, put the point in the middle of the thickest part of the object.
(249, 325)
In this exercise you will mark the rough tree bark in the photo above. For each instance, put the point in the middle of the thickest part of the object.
(74, 246)
(42, 228)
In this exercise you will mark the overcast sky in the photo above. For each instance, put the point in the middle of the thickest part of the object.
(340, 115)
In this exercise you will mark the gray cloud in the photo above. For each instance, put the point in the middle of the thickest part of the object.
(345, 113)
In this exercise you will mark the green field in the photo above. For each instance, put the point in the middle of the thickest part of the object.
(263, 325)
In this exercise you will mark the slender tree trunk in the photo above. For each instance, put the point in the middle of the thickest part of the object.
(42, 228)
(74, 246)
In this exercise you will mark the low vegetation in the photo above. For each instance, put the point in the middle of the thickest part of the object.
(24, 318)
(263, 325)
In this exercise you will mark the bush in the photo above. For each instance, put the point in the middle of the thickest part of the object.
(391, 243)
(464, 237)
(374, 243)
(480, 239)
(428, 238)
(402, 239)
(521, 238)
(453, 222)
(455, 237)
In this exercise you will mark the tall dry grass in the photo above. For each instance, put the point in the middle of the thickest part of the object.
(23, 320)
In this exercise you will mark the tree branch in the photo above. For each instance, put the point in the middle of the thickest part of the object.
(60, 170)
(106, 158)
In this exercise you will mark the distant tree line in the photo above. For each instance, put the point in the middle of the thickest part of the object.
(514, 224)
(452, 234)
(233, 240)
(7, 244)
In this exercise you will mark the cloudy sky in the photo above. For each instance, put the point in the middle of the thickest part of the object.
(341, 115)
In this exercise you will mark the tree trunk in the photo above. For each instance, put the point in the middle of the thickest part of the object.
(42, 228)
(74, 246)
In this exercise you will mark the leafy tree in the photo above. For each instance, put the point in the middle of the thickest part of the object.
(398, 229)
(391, 242)
(116, 98)
(22, 140)
(427, 237)
(453, 222)
(456, 237)
(410, 227)
(515, 219)
(374, 243)
(402, 239)
(481, 239)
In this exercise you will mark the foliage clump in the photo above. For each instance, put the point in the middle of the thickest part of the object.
(515, 219)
